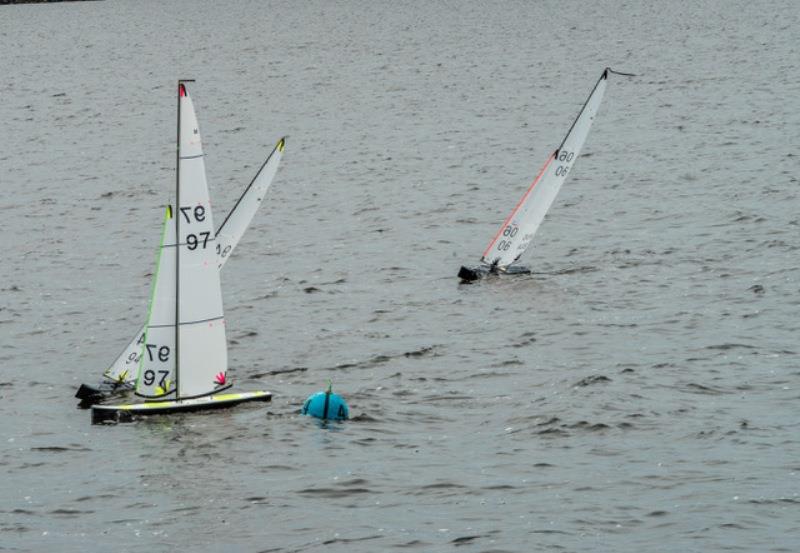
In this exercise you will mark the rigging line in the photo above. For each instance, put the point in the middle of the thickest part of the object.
(161, 397)
(279, 145)
(620, 73)
(194, 322)
(211, 393)
(602, 77)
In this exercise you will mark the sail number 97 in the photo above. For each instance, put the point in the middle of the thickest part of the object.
(193, 240)
(195, 214)
(149, 377)
(160, 353)
(199, 213)
(154, 351)
(564, 157)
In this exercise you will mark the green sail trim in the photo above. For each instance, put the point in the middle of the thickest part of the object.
(167, 219)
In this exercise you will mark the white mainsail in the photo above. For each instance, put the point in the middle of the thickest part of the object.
(124, 368)
(202, 353)
(519, 228)
(156, 352)
(183, 355)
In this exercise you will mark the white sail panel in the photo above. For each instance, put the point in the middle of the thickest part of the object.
(189, 134)
(124, 369)
(156, 371)
(238, 220)
(202, 347)
(204, 365)
(519, 228)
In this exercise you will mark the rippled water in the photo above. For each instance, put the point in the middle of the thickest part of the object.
(638, 392)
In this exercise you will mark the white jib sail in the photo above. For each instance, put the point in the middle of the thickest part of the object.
(519, 228)
(155, 364)
(202, 362)
(124, 368)
(239, 218)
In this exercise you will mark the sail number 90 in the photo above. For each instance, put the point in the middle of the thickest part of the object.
(509, 232)
(564, 157)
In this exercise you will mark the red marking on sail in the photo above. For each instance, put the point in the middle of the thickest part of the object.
(519, 204)
(220, 378)
(182, 90)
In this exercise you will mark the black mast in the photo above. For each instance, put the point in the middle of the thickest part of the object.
(176, 214)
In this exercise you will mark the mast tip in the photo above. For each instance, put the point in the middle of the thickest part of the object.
(182, 88)
(609, 70)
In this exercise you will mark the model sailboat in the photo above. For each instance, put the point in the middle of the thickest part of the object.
(121, 375)
(517, 231)
(183, 357)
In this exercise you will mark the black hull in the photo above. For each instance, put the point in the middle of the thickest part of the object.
(91, 395)
(469, 274)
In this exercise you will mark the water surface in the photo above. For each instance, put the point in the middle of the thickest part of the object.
(638, 392)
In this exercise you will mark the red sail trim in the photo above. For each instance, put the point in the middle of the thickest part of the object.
(182, 90)
(519, 204)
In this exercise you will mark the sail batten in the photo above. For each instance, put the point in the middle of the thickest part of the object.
(190, 322)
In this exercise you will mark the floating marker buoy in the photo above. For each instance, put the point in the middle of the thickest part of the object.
(327, 406)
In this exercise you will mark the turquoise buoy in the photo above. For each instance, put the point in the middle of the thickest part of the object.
(327, 406)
